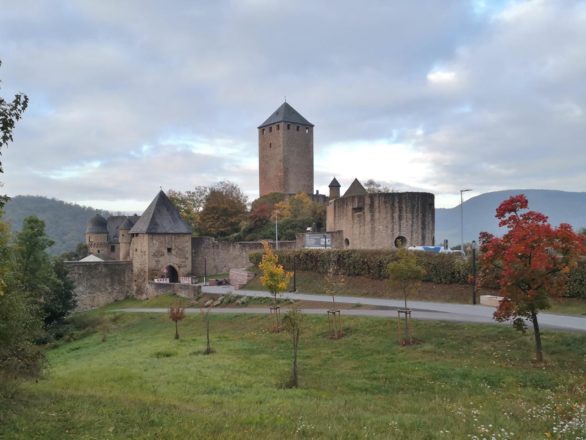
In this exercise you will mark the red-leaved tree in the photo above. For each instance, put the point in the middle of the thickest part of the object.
(530, 263)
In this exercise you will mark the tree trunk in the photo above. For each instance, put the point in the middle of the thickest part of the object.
(176, 330)
(537, 334)
(293, 383)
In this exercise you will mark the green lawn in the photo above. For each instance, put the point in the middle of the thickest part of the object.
(460, 382)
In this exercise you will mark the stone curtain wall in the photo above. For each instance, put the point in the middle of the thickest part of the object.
(189, 291)
(222, 256)
(100, 283)
(374, 221)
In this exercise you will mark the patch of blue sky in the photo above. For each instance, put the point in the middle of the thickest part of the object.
(144, 150)
(489, 8)
(73, 171)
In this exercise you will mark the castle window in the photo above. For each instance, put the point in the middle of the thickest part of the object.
(288, 126)
(270, 145)
(98, 251)
(298, 128)
(263, 131)
(346, 242)
(169, 250)
(270, 129)
(306, 130)
(112, 248)
(278, 127)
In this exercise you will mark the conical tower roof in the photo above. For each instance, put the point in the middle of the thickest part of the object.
(97, 225)
(161, 217)
(334, 183)
(356, 189)
(286, 113)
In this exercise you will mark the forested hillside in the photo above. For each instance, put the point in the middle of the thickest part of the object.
(64, 222)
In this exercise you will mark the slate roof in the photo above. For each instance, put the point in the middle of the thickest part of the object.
(286, 113)
(97, 225)
(356, 189)
(161, 217)
(115, 223)
(334, 183)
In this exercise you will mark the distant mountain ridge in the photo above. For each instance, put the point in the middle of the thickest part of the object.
(65, 222)
(479, 212)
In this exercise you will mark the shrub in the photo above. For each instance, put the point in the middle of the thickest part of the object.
(440, 268)
(577, 282)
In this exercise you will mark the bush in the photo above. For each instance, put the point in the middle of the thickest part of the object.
(440, 268)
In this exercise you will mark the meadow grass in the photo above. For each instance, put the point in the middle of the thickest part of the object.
(460, 381)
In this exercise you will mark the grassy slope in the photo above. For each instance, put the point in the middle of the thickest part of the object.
(141, 383)
(312, 282)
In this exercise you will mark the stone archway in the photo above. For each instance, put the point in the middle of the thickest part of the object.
(400, 242)
(171, 273)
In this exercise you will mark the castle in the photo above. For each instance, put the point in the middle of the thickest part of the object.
(136, 250)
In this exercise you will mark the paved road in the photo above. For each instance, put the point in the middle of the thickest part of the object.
(421, 309)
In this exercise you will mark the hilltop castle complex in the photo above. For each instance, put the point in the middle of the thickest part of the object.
(129, 253)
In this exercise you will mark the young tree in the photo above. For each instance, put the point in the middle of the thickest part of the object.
(531, 262)
(292, 322)
(274, 277)
(333, 282)
(176, 314)
(405, 273)
(205, 313)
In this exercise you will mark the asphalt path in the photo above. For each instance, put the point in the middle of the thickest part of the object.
(420, 309)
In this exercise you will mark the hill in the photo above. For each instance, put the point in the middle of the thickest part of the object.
(64, 222)
(479, 212)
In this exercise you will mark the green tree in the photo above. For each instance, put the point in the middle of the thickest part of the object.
(405, 273)
(60, 301)
(10, 112)
(190, 204)
(224, 210)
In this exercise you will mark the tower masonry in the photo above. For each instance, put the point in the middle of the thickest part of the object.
(285, 151)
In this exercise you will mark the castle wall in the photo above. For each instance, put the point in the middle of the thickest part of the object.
(100, 283)
(221, 256)
(183, 290)
(375, 221)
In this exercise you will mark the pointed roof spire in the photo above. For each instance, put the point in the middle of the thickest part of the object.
(286, 113)
(356, 189)
(161, 217)
(334, 183)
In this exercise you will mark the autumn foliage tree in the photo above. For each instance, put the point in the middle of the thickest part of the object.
(530, 263)
(274, 277)
(176, 314)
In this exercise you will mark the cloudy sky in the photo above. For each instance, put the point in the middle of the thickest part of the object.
(130, 96)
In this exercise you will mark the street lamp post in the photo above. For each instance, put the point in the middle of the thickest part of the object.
(474, 271)
(462, 191)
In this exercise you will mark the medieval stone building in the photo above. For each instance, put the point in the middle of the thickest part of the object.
(158, 243)
(285, 153)
(362, 220)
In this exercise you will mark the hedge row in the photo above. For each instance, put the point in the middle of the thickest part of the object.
(440, 268)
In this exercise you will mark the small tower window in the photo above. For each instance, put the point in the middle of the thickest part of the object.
(263, 131)
(270, 129)
(306, 130)
(298, 128)
(278, 127)
(270, 145)
(112, 248)
(169, 250)
(288, 126)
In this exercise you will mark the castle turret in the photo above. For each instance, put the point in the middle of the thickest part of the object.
(124, 239)
(285, 153)
(96, 236)
(334, 189)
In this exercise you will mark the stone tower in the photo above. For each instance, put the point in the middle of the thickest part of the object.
(334, 189)
(124, 239)
(285, 153)
(96, 236)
